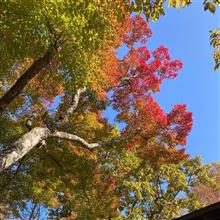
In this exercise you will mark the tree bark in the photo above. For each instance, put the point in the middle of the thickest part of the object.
(35, 137)
(26, 77)
(22, 146)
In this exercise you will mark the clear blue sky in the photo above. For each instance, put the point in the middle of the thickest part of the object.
(186, 34)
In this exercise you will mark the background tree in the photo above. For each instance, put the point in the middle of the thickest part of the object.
(208, 195)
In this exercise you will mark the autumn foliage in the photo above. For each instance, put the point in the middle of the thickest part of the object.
(128, 171)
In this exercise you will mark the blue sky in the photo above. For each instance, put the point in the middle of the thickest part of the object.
(186, 34)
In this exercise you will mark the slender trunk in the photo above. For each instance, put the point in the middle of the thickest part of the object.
(22, 146)
(26, 77)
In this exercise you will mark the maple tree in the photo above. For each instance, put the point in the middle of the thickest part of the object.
(69, 158)
(154, 9)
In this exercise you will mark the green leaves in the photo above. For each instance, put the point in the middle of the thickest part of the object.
(29, 29)
(209, 6)
(168, 186)
(215, 43)
(153, 9)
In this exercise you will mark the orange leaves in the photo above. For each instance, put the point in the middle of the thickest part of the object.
(157, 154)
(139, 31)
(147, 117)
(41, 87)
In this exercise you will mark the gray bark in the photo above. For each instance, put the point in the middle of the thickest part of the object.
(38, 136)
(22, 146)
(73, 105)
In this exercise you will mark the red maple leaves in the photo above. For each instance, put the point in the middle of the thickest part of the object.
(180, 123)
(141, 73)
(139, 31)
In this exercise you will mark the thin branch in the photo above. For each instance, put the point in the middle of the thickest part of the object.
(15, 173)
(84, 143)
(32, 211)
(87, 197)
(75, 138)
(64, 117)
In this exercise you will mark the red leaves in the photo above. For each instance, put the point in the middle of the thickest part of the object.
(140, 77)
(148, 120)
(156, 154)
(135, 77)
(139, 31)
(180, 123)
(147, 117)
(167, 68)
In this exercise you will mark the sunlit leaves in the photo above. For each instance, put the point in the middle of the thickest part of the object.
(209, 193)
(138, 176)
(163, 191)
(211, 5)
(215, 43)
(31, 28)
(178, 3)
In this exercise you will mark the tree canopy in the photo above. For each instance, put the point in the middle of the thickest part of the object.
(60, 71)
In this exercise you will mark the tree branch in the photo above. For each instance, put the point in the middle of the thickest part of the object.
(22, 146)
(75, 138)
(64, 117)
(26, 77)
(37, 136)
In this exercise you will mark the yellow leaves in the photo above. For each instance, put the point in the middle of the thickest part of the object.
(177, 3)
(47, 192)
(211, 5)
(87, 125)
(215, 43)
(90, 121)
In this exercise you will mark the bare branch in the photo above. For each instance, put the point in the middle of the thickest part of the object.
(75, 138)
(84, 143)
(64, 117)
(37, 137)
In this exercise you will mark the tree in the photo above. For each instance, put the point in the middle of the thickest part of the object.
(209, 194)
(154, 9)
(69, 158)
(133, 81)
(67, 38)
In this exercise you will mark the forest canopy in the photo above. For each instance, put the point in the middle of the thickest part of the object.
(59, 154)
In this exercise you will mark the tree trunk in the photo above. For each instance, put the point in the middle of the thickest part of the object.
(26, 77)
(22, 146)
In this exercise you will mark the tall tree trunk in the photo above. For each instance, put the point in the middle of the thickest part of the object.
(26, 77)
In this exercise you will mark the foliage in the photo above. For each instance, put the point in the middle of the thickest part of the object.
(208, 194)
(154, 9)
(134, 176)
(116, 185)
(30, 29)
(215, 42)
